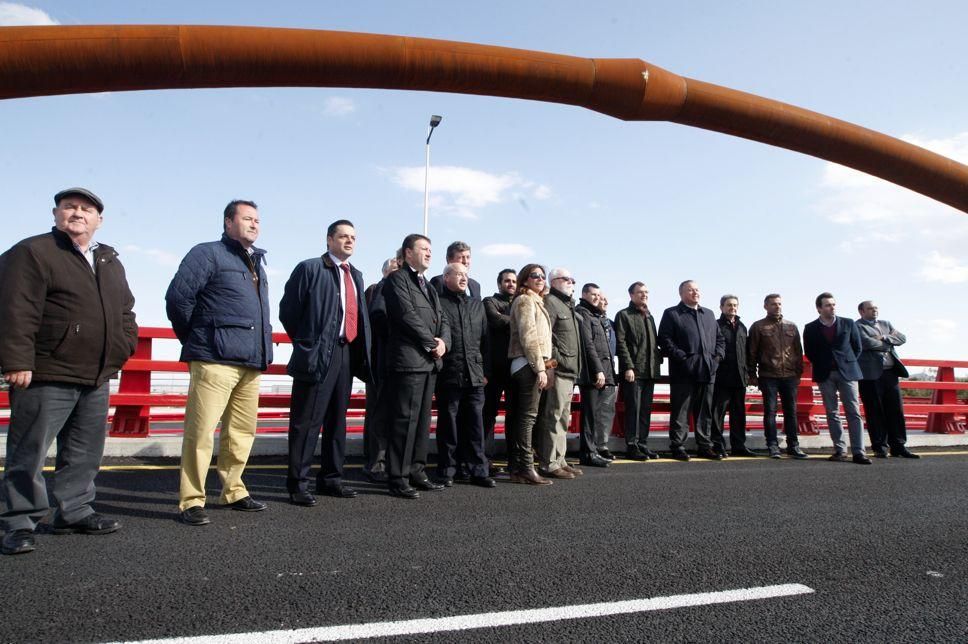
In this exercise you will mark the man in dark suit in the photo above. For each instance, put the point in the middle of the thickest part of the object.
(497, 307)
(419, 337)
(374, 423)
(460, 386)
(459, 253)
(690, 337)
(879, 388)
(729, 393)
(324, 312)
(832, 345)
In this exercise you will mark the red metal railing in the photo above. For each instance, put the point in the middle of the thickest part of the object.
(134, 400)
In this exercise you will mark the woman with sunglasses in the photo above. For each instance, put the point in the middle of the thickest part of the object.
(529, 353)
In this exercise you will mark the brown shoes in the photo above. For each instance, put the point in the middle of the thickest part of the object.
(528, 477)
(577, 471)
(560, 473)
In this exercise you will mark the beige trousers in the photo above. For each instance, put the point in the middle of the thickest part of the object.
(551, 429)
(218, 392)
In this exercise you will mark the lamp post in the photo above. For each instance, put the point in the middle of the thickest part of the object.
(434, 122)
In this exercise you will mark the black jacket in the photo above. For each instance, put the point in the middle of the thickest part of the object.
(497, 308)
(61, 320)
(732, 370)
(693, 343)
(466, 363)
(376, 306)
(415, 319)
(637, 344)
(599, 355)
(310, 312)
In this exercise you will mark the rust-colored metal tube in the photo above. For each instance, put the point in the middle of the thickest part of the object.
(41, 61)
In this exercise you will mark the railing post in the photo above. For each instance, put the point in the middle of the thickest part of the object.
(132, 421)
(941, 422)
(806, 425)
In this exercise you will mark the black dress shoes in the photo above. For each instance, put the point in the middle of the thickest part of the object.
(339, 491)
(880, 453)
(861, 459)
(482, 481)
(18, 542)
(594, 460)
(303, 498)
(607, 455)
(709, 455)
(426, 485)
(838, 456)
(91, 524)
(248, 504)
(194, 515)
(376, 477)
(404, 492)
(680, 455)
(904, 453)
(649, 453)
(633, 453)
(796, 452)
(743, 452)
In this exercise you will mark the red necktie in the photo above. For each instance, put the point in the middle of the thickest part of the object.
(349, 317)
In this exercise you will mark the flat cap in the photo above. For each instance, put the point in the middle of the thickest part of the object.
(84, 192)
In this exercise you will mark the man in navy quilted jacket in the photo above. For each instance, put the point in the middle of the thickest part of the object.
(218, 304)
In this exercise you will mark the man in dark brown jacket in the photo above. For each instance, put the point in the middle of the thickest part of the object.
(775, 363)
(68, 324)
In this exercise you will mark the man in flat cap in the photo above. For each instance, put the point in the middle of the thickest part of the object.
(68, 327)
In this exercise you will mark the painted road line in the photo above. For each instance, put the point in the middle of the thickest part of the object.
(492, 620)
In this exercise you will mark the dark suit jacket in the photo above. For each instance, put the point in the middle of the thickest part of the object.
(841, 355)
(310, 312)
(415, 319)
(732, 371)
(693, 349)
(472, 285)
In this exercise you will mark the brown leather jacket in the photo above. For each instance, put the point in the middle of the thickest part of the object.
(774, 347)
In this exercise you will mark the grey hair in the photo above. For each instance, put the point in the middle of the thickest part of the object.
(558, 272)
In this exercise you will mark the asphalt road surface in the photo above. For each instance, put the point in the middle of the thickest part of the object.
(883, 548)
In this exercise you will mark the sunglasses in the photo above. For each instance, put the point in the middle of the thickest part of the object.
(570, 280)
(536, 276)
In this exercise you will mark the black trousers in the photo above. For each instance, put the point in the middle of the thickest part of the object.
(884, 411)
(522, 413)
(409, 396)
(695, 398)
(731, 398)
(374, 427)
(597, 413)
(460, 431)
(316, 404)
(499, 383)
(637, 397)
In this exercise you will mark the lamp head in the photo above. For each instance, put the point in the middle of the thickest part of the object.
(435, 120)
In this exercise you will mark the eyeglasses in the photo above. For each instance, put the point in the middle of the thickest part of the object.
(570, 280)
(536, 276)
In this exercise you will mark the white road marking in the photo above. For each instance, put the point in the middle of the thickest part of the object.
(491, 620)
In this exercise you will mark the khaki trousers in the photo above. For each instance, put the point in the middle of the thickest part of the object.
(551, 430)
(218, 392)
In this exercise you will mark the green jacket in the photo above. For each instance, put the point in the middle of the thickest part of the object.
(636, 345)
(566, 333)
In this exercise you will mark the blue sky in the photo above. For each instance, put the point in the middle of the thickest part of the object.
(525, 181)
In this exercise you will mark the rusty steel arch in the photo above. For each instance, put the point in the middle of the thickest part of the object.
(43, 61)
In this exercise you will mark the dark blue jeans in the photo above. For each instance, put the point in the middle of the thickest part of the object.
(787, 390)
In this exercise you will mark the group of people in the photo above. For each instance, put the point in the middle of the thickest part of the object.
(69, 325)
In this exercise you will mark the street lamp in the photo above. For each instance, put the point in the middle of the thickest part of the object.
(434, 122)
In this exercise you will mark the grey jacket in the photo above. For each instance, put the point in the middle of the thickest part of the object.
(878, 340)
(567, 341)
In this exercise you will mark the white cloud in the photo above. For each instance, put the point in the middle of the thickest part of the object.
(942, 268)
(338, 106)
(507, 250)
(460, 191)
(938, 330)
(13, 14)
(851, 196)
(157, 255)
